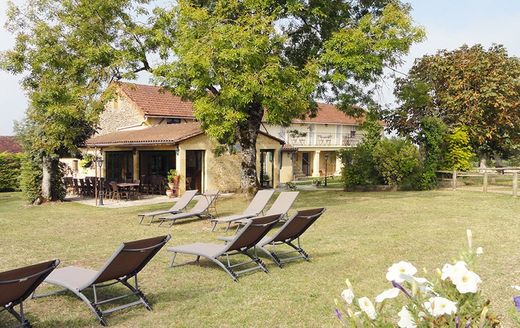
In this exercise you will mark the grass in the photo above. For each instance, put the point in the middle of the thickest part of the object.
(359, 237)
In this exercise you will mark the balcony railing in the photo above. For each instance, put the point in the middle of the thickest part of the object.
(323, 140)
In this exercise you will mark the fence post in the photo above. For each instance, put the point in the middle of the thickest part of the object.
(485, 184)
(515, 184)
(454, 180)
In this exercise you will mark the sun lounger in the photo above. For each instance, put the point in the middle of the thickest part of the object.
(281, 205)
(200, 209)
(255, 208)
(126, 262)
(178, 207)
(246, 238)
(288, 233)
(18, 284)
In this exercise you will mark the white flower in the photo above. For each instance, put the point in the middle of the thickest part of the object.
(366, 306)
(405, 319)
(516, 287)
(466, 281)
(479, 251)
(348, 295)
(438, 306)
(397, 269)
(449, 270)
(387, 294)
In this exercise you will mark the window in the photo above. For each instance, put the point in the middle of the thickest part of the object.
(173, 120)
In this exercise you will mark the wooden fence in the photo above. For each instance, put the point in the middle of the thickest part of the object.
(507, 177)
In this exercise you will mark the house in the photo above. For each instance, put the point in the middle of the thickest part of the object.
(9, 144)
(311, 144)
(145, 131)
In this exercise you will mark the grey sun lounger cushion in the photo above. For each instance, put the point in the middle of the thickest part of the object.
(245, 239)
(200, 209)
(18, 284)
(281, 205)
(124, 264)
(255, 208)
(179, 206)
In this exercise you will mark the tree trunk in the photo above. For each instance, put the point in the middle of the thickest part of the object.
(247, 135)
(50, 178)
(47, 179)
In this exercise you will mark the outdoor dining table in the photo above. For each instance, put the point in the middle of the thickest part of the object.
(130, 186)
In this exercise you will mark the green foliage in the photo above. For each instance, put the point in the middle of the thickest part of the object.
(359, 167)
(87, 161)
(431, 141)
(172, 174)
(31, 179)
(469, 86)
(397, 161)
(10, 171)
(68, 52)
(458, 153)
(236, 59)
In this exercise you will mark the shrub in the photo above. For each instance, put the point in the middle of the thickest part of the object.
(458, 151)
(31, 179)
(359, 168)
(431, 140)
(10, 171)
(397, 159)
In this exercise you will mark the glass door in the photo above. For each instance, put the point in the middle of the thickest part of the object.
(266, 168)
(195, 170)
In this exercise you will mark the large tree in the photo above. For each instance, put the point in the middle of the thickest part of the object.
(242, 61)
(68, 52)
(471, 87)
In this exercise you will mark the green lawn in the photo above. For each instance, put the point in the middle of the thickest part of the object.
(360, 235)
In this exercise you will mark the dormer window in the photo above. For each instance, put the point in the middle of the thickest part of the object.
(173, 121)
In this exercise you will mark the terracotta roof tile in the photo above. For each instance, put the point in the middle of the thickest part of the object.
(159, 134)
(329, 114)
(155, 101)
(154, 135)
(9, 144)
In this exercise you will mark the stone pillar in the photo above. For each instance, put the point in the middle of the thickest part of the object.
(316, 164)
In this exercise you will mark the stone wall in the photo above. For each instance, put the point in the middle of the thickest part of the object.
(119, 113)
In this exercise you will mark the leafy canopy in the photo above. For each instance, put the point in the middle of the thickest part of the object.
(236, 58)
(469, 86)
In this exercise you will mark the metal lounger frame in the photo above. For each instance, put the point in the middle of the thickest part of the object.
(135, 290)
(170, 211)
(20, 315)
(276, 257)
(228, 267)
(204, 214)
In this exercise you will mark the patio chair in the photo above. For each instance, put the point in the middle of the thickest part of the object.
(255, 208)
(118, 193)
(246, 238)
(200, 209)
(124, 264)
(18, 284)
(288, 233)
(178, 207)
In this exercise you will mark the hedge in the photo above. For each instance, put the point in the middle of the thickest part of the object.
(10, 171)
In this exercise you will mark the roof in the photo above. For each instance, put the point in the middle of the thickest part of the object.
(9, 144)
(289, 148)
(156, 101)
(154, 135)
(158, 134)
(329, 114)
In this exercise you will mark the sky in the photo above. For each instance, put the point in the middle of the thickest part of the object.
(448, 23)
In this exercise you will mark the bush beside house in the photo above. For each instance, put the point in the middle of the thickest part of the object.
(10, 164)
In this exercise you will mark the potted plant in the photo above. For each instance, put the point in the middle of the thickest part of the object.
(173, 183)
